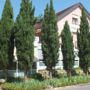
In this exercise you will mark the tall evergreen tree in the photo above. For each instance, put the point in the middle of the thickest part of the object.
(67, 49)
(24, 35)
(50, 39)
(83, 43)
(0, 45)
(0, 24)
(7, 24)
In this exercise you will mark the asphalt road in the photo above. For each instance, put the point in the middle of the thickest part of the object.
(78, 87)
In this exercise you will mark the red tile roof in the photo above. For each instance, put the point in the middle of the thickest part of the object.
(64, 12)
(38, 25)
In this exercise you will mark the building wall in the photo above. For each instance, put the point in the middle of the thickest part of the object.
(39, 56)
(73, 27)
(77, 13)
(60, 24)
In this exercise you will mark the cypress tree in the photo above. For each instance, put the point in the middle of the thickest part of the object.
(50, 39)
(67, 49)
(83, 43)
(24, 35)
(0, 24)
(0, 45)
(7, 24)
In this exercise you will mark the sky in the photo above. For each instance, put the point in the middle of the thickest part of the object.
(41, 4)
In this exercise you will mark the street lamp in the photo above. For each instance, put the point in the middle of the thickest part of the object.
(16, 59)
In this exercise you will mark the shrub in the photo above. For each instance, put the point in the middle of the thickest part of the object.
(37, 76)
(44, 74)
(56, 73)
(78, 71)
(59, 73)
(13, 79)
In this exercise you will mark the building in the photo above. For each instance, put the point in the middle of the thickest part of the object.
(71, 14)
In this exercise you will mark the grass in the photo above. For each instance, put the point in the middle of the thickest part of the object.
(41, 85)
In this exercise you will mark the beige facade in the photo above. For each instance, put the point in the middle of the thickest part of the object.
(72, 15)
(73, 19)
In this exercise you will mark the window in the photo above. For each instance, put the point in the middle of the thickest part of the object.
(74, 29)
(41, 63)
(74, 20)
(40, 55)
(58, 64)
(76, 63)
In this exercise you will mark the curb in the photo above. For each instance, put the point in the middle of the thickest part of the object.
(66, 87)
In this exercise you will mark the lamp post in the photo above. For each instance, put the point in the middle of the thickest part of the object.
(16, 59)
(17, 68)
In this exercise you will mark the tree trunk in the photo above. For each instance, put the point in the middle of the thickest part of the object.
(50, 73)
(86, 71)
(69, 73)
(26, 74)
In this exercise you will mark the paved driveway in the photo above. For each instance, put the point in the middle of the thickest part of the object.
(77, 87)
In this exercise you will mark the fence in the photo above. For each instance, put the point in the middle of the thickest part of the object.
(13, 73)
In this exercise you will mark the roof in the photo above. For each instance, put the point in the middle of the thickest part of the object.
(38, 25)
(62, 13)
(70, 9)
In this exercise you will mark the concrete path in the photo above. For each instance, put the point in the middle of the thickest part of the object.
(76, 87)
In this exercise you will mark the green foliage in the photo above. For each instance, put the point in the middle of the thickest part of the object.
(39, 18)
(13, 79)
(67, 48)
(5, 34)
(40, 85)
(0, 24)
(24, 35)
(29, 85)
(78, 71)
(37, 76)
(50, 40)
(83, 43)
(33, 85)
(12, 86)
(59, 73)
(44, 73)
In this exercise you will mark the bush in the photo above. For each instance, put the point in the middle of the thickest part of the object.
(37, 76)
(78, 71)
(56, 73)
(59, 73)
(13, 79)
(41, 85)
(44, 73)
